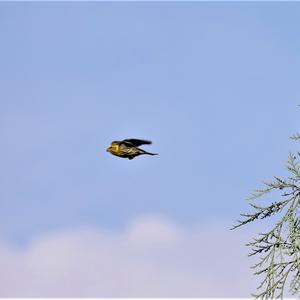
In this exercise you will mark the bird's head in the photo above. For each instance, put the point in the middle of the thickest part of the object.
(114, 147)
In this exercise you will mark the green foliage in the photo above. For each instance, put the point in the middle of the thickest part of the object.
(279, 248)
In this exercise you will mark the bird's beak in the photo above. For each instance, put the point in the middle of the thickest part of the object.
(108, 149)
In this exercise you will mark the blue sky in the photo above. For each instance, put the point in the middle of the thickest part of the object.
(215, 86)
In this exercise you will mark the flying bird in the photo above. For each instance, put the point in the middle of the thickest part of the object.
(128, 148)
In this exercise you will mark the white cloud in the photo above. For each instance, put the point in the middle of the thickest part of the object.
(152, 257)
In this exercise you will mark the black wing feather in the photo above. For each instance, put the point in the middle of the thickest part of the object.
(136, 142)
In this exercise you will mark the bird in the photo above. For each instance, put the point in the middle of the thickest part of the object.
(128, 148)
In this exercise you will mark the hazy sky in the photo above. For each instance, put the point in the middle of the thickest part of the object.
(215, 86)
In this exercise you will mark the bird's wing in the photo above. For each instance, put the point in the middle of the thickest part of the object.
(136, 142)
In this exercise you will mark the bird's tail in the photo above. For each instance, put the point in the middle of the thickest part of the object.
(149, 153)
